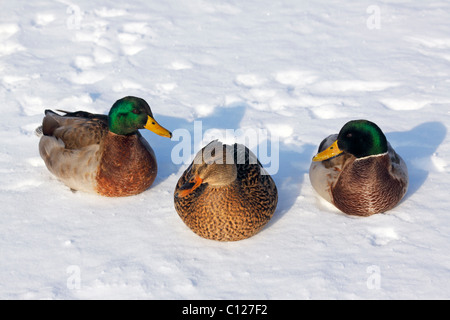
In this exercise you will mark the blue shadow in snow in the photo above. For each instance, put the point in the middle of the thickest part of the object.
(228, 117)
(293, 168)
(419, 143)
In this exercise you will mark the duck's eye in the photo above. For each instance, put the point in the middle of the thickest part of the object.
(135, 111)
(349, 135)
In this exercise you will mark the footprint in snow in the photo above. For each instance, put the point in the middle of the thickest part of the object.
(296, 78)
(404, 104)
(180, 65)
(382, 235)
(250, 80)
(132, 34)
(7, 45)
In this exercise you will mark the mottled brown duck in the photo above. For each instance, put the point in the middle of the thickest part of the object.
(225, 194)
(358, 171)
(103, 154)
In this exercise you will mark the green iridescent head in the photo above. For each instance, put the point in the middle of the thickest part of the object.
(130, 114)
(360, 138)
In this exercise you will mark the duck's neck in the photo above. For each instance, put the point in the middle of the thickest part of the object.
(371, 156)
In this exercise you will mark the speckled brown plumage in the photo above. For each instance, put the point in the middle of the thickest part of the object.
(232, 212)
(75, 129)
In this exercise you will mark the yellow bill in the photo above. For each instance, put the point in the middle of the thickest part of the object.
(154, 126)
(328, 153)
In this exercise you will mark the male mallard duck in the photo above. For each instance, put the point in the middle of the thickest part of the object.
(225, 194)
(358, 171)
(104, 154)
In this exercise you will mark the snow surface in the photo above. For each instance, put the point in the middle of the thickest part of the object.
(300, 69)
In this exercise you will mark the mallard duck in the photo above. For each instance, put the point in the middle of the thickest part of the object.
(358, 171)
(225, 194)
(104, 154)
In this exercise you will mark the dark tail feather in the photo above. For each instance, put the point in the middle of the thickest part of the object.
(49, 124)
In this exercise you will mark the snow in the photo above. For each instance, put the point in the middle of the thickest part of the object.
(297, 69)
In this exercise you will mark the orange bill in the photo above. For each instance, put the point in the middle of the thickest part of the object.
(154, 126)
(196, 181)
(328, 153)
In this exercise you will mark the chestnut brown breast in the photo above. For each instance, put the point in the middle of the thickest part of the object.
(127, 166)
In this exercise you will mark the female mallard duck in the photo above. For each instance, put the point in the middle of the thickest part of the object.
(99, 153)
(225, 194)
(358, 171)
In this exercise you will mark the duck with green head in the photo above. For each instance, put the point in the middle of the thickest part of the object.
(104, 154)
(358, 171)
